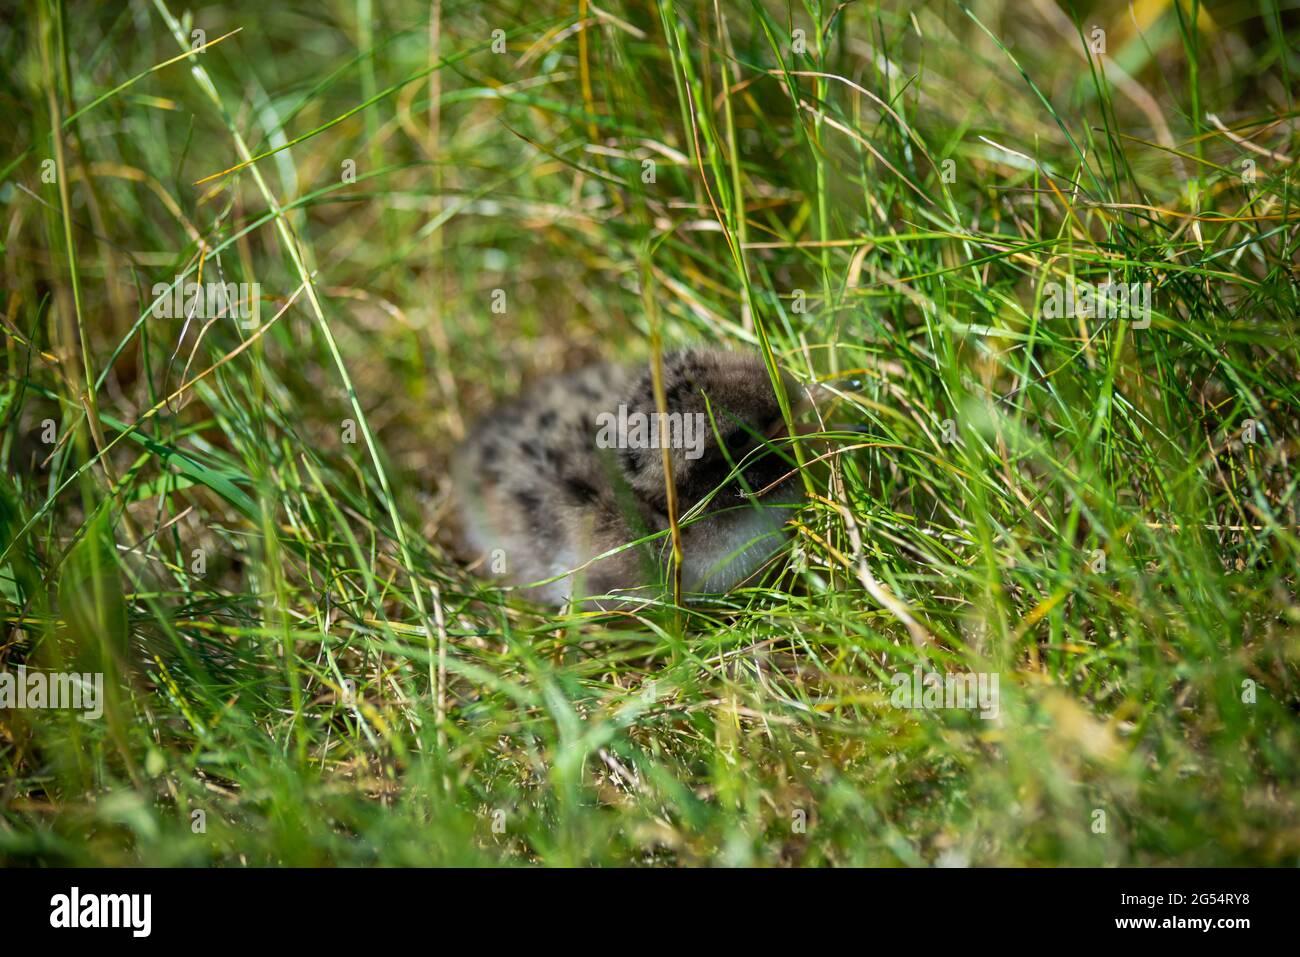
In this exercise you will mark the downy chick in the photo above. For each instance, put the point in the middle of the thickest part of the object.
(547, 484)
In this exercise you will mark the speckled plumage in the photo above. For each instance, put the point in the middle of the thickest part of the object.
(537, 497)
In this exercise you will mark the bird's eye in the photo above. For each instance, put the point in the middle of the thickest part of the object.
(775, 428)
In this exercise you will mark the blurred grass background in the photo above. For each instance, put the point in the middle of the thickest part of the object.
(448, 200)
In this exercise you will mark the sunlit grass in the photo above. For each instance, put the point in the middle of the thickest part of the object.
(241, 525)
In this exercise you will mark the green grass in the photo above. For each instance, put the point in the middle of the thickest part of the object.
(1104, 536)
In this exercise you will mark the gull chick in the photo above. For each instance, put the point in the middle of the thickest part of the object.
(549, 488)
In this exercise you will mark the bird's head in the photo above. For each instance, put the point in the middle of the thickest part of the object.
(722, 414)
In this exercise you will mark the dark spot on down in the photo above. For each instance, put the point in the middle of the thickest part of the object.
(579, 490)
(632, 462)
